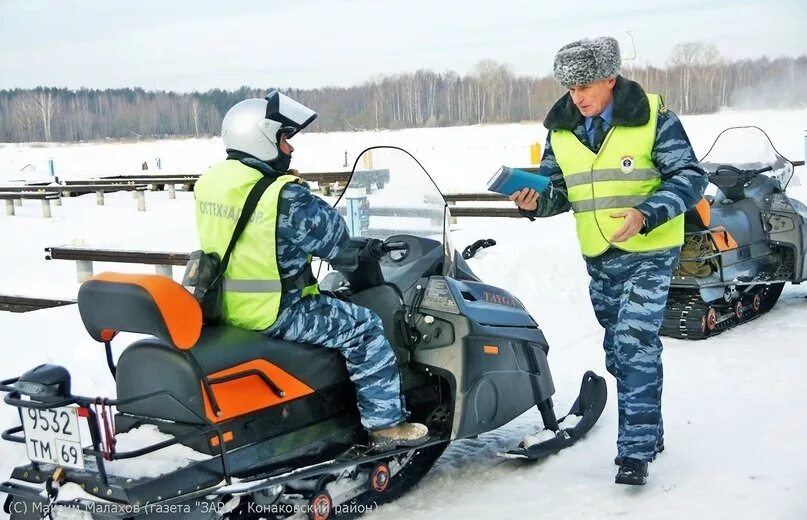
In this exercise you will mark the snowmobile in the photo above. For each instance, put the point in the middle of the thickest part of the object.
(276, 423)
(742, 244)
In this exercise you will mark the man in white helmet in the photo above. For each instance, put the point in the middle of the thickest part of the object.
(268, 284)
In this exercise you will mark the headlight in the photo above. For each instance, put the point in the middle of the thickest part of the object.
(29, 388)
(45, 381)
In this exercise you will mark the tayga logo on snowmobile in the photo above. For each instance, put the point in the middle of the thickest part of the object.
(500, 298)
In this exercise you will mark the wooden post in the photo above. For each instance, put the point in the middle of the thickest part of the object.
(58, 201)
(141, 200)
(172, 191)
(165, 270)
(83, 270)
(10, 207)
(99, 198)
(46, 208)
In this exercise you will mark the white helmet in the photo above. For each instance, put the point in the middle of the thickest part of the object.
(253, 126)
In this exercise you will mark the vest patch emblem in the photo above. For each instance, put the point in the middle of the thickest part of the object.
(626, 164)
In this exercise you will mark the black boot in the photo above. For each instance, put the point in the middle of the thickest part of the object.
(632, 472)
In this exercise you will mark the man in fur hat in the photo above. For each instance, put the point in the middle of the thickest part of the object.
(619, 159)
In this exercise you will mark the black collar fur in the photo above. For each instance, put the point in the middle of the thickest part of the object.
(630, 108)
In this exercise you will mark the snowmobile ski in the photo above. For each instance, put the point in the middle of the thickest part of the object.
(587, 408)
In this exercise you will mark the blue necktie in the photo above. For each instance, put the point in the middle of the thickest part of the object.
(598, 124)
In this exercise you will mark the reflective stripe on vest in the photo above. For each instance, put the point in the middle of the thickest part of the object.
(252, 283)
(621, 176)
(252, 286)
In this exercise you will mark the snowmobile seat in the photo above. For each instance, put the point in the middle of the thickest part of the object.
(699, 218)
(149, 304)
(242, 370)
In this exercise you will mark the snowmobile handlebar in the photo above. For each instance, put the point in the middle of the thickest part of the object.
(728, 176)
(377, 249)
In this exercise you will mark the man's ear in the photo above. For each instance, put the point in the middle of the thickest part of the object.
(611, 82)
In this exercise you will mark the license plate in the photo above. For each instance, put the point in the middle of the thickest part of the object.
(52, 436)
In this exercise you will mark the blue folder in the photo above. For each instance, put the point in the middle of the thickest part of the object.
(510, 180)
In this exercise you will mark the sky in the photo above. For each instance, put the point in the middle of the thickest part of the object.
(186, 45)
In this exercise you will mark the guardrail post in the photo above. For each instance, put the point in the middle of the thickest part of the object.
(18, 202)
(46, 208)
(172, 191)
(99, 198)
(165, 270)
(10, 207)
(141, 200)
(58, 200)
(451, 204)
(83, 270)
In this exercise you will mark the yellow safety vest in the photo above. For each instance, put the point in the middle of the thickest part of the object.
(621, 176)
(252, 281)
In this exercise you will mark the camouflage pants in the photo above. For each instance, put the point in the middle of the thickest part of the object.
(629, 294)
(358, 334)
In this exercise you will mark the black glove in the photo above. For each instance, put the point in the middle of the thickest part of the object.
(374, 248)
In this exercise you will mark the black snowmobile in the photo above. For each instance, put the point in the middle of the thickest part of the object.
(275, 423)
(741, 245)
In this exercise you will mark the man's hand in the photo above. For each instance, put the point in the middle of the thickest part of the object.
(634, 220)
(526, 199)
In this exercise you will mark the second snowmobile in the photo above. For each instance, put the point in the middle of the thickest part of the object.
(741, 245)
(275, 424)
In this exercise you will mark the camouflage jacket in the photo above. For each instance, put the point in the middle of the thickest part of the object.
(683, 180)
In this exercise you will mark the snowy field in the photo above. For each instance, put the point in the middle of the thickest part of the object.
(732, 404)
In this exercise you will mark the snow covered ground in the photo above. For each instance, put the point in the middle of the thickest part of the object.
(732, 404)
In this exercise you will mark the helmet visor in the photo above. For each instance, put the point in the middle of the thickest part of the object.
(291, 115)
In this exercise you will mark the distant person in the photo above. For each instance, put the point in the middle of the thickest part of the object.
(622, 162)
(269, 285)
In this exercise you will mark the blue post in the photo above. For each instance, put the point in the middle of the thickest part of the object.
(159, 163)
(50, 167)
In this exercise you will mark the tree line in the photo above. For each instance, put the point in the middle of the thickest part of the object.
(696, 80)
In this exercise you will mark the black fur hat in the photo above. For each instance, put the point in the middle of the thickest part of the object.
(587, 60)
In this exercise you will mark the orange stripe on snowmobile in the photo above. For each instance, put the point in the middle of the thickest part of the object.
(228, 436)
(723, 239)
(179, 309)
(704, 211)
(250, 393)
(491, 349)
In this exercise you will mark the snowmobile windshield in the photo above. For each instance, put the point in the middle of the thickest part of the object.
(390, 193)
(748, 148)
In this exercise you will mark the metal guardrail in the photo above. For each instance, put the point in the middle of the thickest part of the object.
(469, 211)
(117, 255)
(25, 304)
(474, 197)
(84, 258)
(341, 176)
(59, 188)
